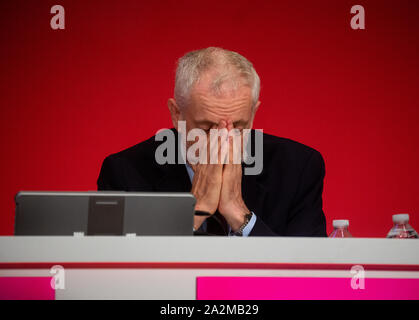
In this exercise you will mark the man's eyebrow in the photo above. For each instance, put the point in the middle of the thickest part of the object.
(240, 122)
(205, 122)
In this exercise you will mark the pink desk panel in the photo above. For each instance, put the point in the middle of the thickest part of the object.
(26, 288)
(276, 288)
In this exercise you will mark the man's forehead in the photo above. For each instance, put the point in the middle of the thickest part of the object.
(226, 100)
(210, 108)
(222, 83)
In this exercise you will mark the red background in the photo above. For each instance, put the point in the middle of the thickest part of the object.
(68, 98)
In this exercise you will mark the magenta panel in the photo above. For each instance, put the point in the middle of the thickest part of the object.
(26, 288)
(275, 288)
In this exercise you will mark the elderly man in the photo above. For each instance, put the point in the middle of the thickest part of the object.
(219, 89)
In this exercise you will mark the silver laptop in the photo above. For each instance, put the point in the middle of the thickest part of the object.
(104, 213)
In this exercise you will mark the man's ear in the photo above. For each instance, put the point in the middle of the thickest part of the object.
(255, 108)
(174, 112)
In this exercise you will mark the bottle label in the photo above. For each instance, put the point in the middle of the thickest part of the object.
(402, 234)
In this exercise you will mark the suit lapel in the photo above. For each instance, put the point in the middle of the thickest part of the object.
(253, 193)
(175, 178)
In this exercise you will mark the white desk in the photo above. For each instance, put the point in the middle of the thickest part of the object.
(167, 267)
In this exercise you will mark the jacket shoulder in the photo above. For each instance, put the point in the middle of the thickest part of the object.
(286, 147)
(140, 151)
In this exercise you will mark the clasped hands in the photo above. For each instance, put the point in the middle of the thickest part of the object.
(218, 186)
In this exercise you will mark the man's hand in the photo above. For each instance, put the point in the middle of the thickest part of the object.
(231, 204)
(206, 184)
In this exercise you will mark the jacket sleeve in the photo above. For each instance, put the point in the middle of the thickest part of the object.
(260, 229)
(306, 217)
(118, 174)
(110, 176)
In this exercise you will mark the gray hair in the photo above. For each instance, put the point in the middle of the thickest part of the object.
(230, 66)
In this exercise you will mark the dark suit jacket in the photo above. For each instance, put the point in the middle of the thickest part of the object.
(286, 197)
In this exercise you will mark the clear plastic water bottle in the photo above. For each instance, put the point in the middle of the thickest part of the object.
(340, 229)
(401, 228)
